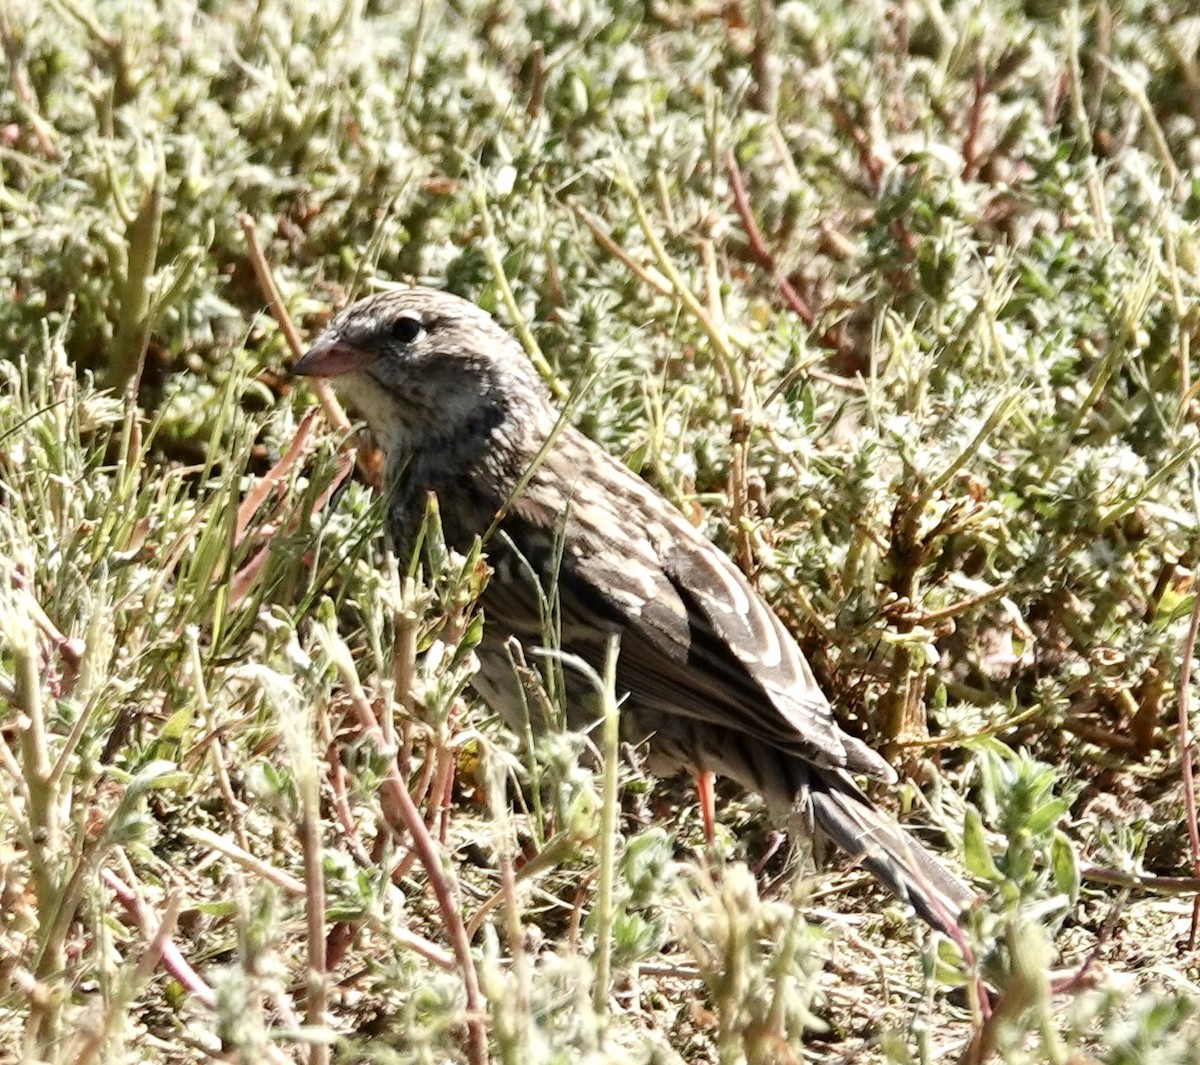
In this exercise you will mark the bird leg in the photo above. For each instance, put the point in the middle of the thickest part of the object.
(706, 796)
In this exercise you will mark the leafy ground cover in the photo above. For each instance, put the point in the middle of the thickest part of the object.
(896, 300)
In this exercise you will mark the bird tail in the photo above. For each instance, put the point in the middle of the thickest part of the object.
(843, 813)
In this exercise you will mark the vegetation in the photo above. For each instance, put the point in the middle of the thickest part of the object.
(896, 300)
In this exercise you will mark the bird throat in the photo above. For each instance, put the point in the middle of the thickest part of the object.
(468, 471)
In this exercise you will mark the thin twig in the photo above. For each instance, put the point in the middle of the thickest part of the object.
(759, 251)
(398, 799)
(138, 298)
(261, 488)
(762, 255)
(282, 880)
(1185, 755)
(652, 278)
(95, 1040)
(1153, 885)
(43, 132)
(404, 670)
(173, 960)
(962, 605)
(605, 914)
(270, 291)
(491, 252)
(316, 984)
(560, 847)
(970, 148)
(723, 347)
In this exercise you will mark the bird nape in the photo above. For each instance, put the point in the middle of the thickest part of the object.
(713, 680)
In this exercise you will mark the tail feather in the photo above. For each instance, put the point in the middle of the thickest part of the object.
(828, 799)
(843, 813)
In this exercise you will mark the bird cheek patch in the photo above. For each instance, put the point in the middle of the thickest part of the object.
(333, 360)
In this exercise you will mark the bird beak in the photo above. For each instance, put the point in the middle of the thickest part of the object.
(332, 358)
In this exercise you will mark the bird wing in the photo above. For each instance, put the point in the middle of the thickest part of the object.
(696, 638)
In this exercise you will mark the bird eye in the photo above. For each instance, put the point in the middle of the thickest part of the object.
(406, 329)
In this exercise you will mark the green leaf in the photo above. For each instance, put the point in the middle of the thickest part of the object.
(976, 855)
(1065, 865)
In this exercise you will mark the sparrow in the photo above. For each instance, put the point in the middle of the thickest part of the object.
(712, 680)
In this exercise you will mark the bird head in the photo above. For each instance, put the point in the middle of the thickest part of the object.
(425, 369)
